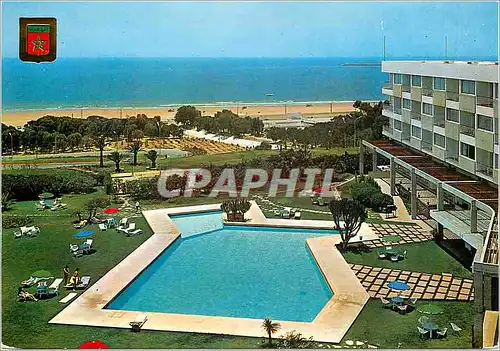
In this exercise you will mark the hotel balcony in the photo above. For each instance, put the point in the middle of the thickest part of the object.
(451, 156)
(416, 116)
(439, 122)
(387, 131)
(406, 89)
(484, 169)
(452, 96)
(484, 101)
(467, 130)
(387, 88)
(427, 92)
(426, 145)
(485, 106)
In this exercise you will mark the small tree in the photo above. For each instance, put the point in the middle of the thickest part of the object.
(353, 213)
(100, 143)
(152, 155)
(135, 148)
(6, 201)
(95, 204)
(116, 157)
(295, 340)
(235, 209)
(270, 327)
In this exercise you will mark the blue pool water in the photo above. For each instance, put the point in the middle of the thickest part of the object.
(198, 223)
(235, 271)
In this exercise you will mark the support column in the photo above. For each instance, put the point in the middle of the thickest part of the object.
(374, 160)
(439, 233)
(413, 194)
(487, 292)
(440, 197)
(473, 216)
(478, 308)
(392, 176)
(361, 159)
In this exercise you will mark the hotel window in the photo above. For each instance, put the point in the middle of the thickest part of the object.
(397, 124)
(407, 104)
(406, 79)
(439, 83)
(427, 109)
(398, 79)
(468, 86)
(416, 81)
(452, 115)
(416, 132)
(485, 123)
(495, 161)
(467, 151)
(439, 140)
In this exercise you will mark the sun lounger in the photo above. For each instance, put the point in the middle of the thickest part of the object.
(68, 297)
(102, 226)
(84, 282)
(297, 215)
(131, 227)
(32, 281)
(54, 287)
(138, 322)
(80, 224)
(124, 221)
(134, 232)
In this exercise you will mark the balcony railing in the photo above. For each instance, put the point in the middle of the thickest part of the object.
(426, 145)
(387, 85)
(451, 156)
(451, 96)
(467, 130)
(439, 122)
(406, 88)
(484, 169)
(427, 92)
(416, 116)
(484, 101)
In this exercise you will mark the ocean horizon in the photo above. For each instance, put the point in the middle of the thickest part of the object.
(72, 83)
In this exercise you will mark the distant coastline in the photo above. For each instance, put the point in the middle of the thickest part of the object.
(362, 64)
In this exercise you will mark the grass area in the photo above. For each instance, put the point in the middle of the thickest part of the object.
(425, 257)
(391, 330)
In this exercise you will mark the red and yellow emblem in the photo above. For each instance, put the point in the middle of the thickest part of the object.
(37, 39)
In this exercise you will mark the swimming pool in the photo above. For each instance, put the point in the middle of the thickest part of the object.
(231, 271)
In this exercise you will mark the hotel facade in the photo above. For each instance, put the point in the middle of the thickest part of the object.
(442, 141)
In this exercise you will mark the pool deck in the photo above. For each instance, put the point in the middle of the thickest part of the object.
(330, 325)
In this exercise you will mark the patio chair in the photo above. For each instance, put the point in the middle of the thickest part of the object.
(423, 332)
(138, 322)
(297, 215)
(413, 301)
(41, 291)
(17, 234)
(134, 232)
(442, 333)
(124, 221)
(386, 303)
(403, 308)
(102, 226)
(285, 214)
(394, 258)
(73, 247)
(381, 255)
(455, 327)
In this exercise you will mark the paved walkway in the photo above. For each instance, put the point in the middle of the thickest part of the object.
(401, 212)
(408, 234)
(422, 285)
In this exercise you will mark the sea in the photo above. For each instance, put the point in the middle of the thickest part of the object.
(162, 82)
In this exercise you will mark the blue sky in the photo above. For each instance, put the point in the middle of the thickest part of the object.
(258, 29)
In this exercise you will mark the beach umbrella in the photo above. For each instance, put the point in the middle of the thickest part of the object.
(321, 190)
(398, 285)
(430, 308)
(94, 344)
(84, 233)
(46, 196)
(111, 210)
(41, 273)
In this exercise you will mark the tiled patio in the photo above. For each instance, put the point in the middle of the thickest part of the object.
(408, 234)
(422, 285)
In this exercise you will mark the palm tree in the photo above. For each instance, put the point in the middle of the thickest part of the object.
(270, 327)
(152, 155)
(134, 148)
(100, 142)
(116, 157)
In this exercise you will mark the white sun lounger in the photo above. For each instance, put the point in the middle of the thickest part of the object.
(130, 228)
(138, 322)
(68, 297)
(134, 232)
(102, 226)
(54, 287)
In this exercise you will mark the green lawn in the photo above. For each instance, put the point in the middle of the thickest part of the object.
(25, 324)
(425, 257)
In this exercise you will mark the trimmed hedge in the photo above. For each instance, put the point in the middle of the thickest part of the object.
(29, 184)
(368, 193)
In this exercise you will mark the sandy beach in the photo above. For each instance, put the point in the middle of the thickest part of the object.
(266, 111)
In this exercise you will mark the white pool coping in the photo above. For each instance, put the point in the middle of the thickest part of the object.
(330, 325)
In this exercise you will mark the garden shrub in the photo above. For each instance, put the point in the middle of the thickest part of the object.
(368, 192)
(29, 184)
(381, 201)
(9, 221)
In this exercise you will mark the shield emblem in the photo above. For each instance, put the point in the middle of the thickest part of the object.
(38, 39)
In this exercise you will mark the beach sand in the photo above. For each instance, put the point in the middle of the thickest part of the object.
(274, 111)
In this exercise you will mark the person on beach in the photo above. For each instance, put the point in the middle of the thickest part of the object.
(137, 206)
(66, 274)
(24, 295)
(75, 278)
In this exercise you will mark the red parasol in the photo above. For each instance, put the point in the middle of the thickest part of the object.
(110, 210)
(94, 344)
(321, 190)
